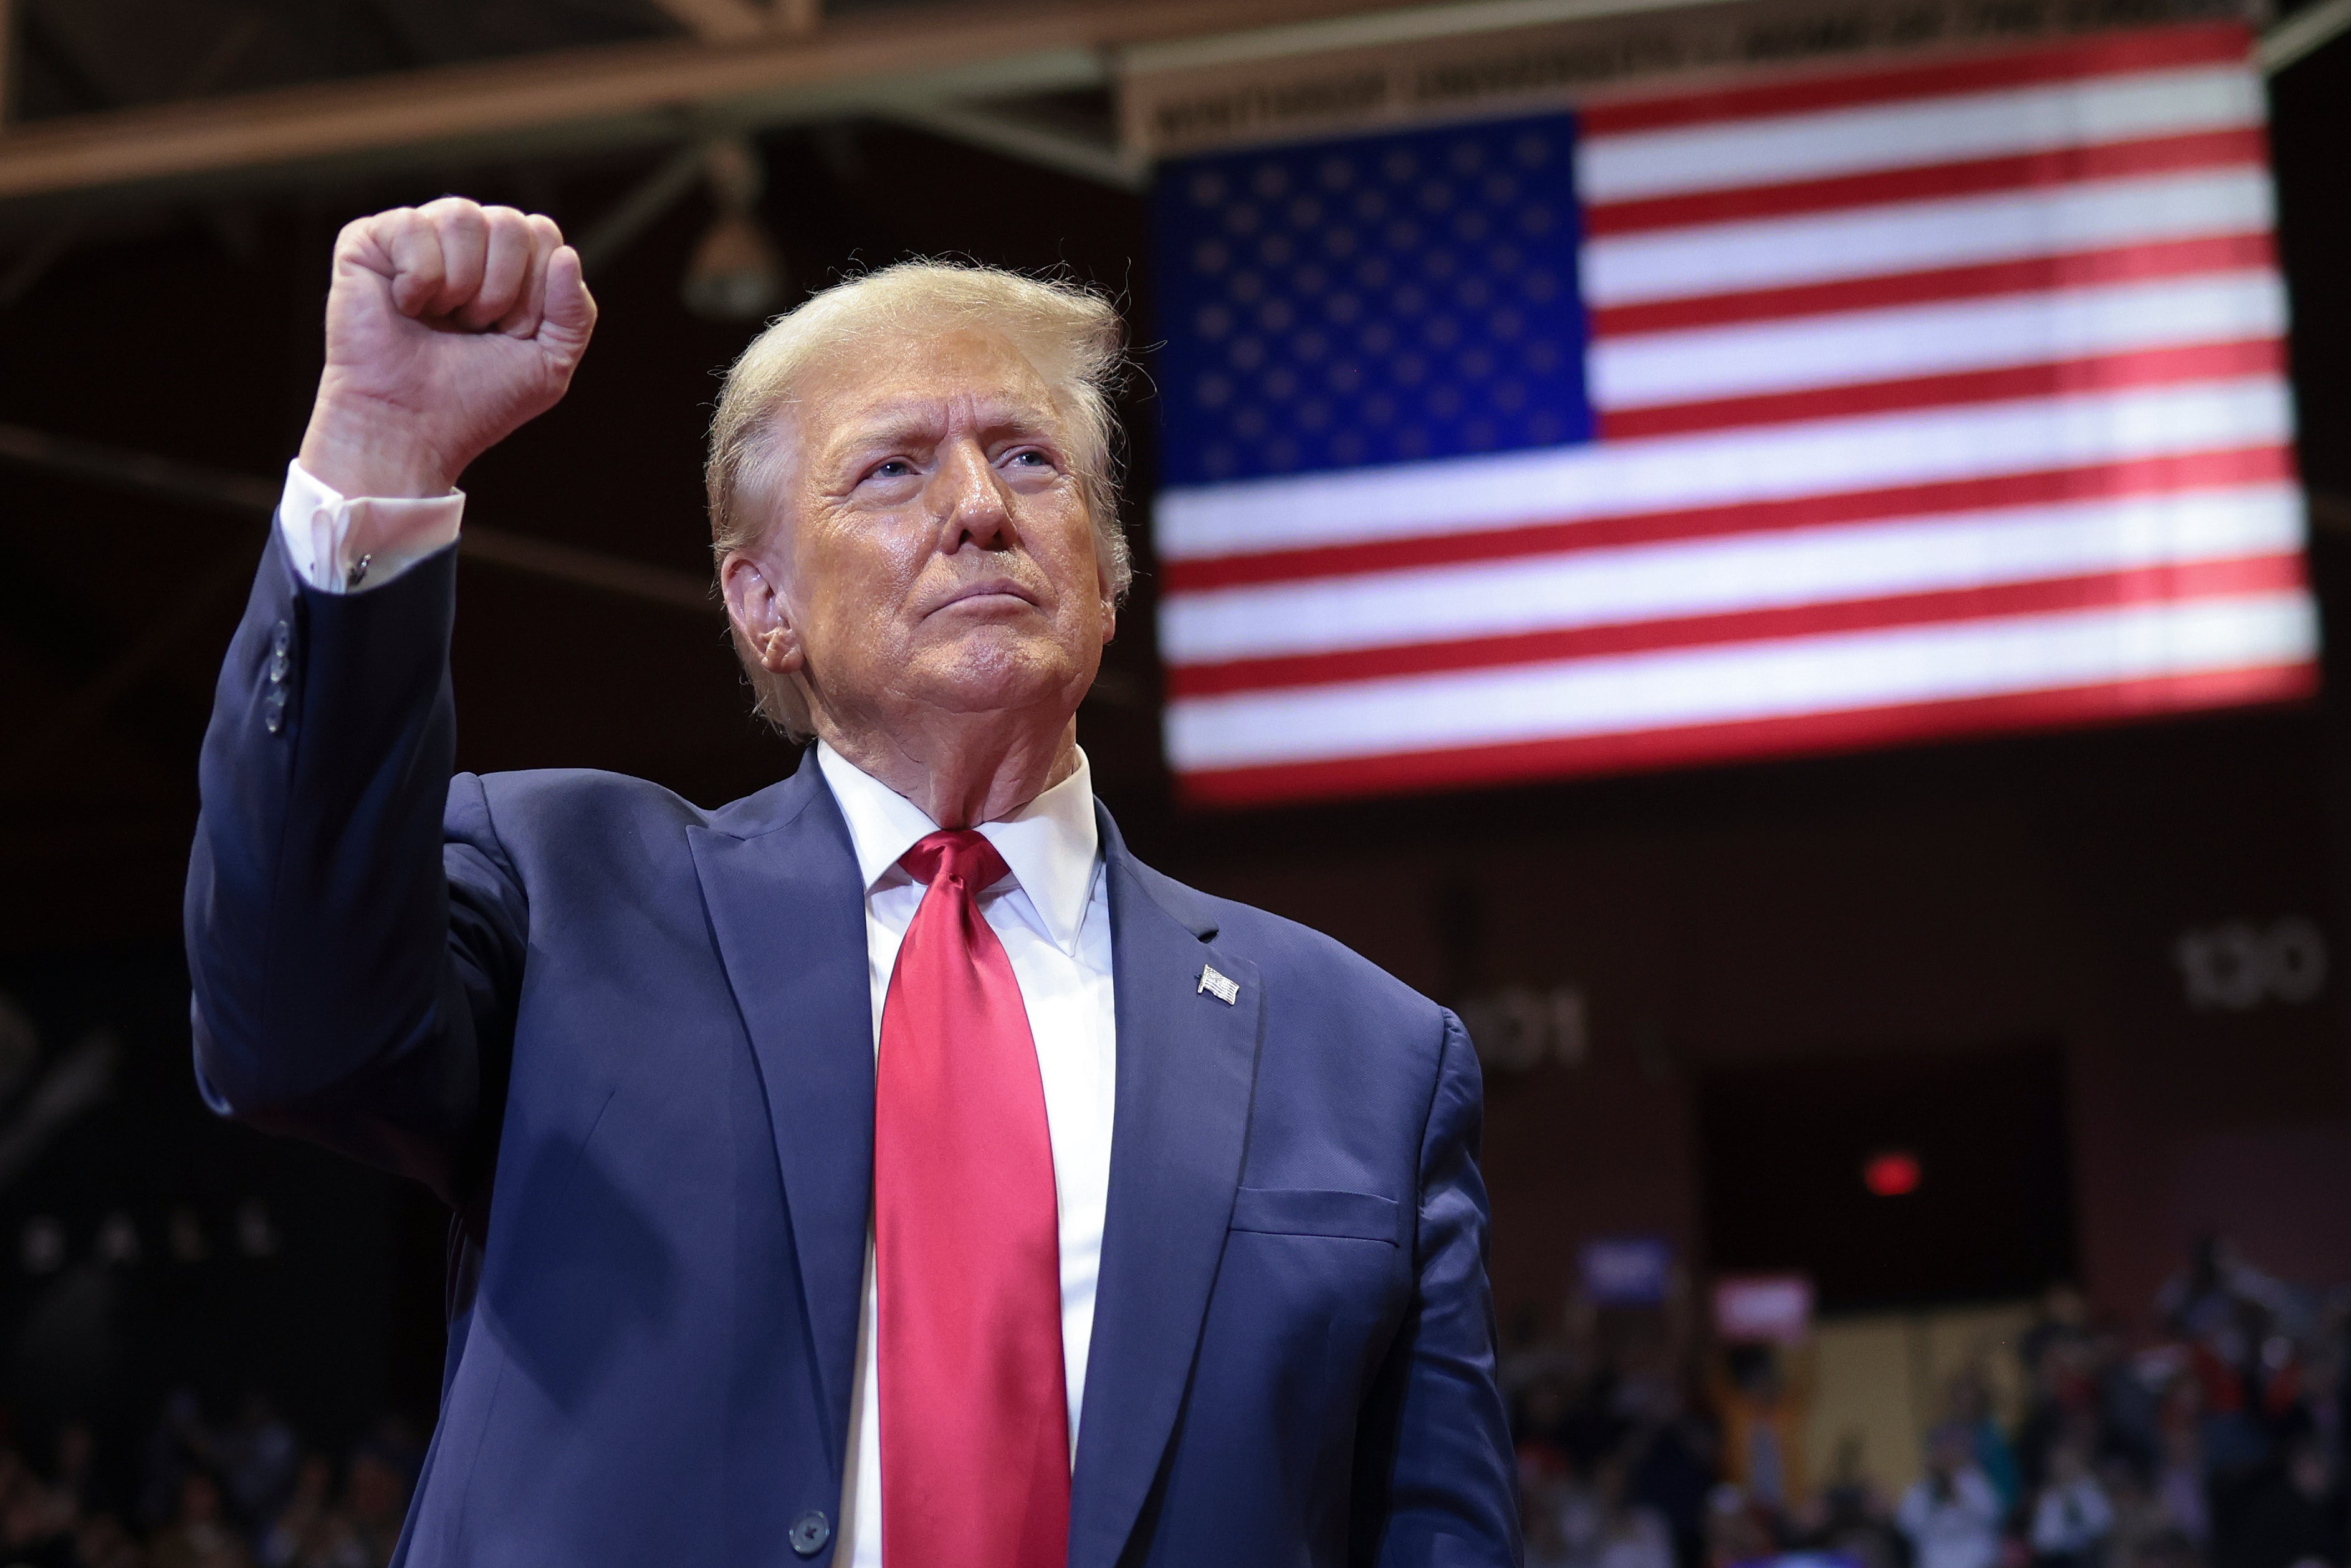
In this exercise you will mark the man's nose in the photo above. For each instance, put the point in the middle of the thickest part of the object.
(970, 498)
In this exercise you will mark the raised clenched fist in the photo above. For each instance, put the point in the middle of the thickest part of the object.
(449, 326)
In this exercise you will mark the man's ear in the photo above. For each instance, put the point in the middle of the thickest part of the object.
(762, 618)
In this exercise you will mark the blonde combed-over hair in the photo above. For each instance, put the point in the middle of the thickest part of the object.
(1071, 334)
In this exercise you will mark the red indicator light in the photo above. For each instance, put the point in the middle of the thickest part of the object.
(1892, 1174)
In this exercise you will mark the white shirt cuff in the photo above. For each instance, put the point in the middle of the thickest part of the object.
(343, 545)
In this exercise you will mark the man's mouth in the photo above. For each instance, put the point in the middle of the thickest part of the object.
(995, 591)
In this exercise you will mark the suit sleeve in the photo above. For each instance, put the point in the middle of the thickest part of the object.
(355, 929)
(1436, 1479)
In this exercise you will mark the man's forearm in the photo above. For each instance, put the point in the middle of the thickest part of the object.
(318, 907)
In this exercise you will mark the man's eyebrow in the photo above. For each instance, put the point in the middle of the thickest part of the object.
(910, 418)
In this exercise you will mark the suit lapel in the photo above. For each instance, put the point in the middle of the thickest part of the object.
(788, 908)
(1187, 1067)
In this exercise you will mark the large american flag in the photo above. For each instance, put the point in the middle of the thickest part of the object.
(1932, 397)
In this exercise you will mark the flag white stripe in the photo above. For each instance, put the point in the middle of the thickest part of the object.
(1908, 237)
(1736, 682)
(1869, 137)
(1857, 346)
(1463, 494)
(1719, 576)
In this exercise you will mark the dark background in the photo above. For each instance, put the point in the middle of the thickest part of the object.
(1992, 1214)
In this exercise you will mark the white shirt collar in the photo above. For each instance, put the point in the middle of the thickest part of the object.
(1051, 845)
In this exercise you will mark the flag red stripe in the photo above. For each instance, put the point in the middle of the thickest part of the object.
(2146, 476)
(2170, 583)
(2076, 269)
(2104, 54)
(2140, 368)
(1968, 177)
(1802, 735)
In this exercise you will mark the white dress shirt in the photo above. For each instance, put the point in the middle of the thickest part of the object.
(345, 546)
(1053, 915)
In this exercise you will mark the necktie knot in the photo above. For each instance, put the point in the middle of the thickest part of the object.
(959, 854)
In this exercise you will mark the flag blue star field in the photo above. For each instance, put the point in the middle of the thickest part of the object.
(1922, 398)
(1400, 296)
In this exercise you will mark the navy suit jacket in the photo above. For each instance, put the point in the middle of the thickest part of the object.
(628, 1041)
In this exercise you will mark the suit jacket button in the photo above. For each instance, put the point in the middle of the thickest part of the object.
(279, 664)
(809, 1532)
(281, 637)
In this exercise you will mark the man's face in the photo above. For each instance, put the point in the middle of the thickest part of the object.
(932, 546)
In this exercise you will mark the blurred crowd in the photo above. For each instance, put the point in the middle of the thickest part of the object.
(244, 1492)
(2212, 1436)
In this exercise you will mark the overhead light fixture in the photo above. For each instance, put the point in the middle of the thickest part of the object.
(735, 274)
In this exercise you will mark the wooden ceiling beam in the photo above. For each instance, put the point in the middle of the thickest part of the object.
(7, 61)
(616, 93)
(720, 21)
(2306, 31)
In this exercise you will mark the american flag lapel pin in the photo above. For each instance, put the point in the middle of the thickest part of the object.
(1223, 987)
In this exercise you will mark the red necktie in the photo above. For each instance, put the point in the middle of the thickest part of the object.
(975, 1415)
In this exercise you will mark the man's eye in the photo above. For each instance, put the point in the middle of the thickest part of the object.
(1032, 459)
(893, 468)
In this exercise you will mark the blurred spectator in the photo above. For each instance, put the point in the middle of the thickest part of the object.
(1951, 1514)
(307, 1531)
(256, 1457)
(1539, 1418)
(102, 1542)
(199, 1535)
(1972, 1410)
(2327, 1380)
(76, 1471)
(2060, 1322)
(1556, 1517)
(2296, 1519)
(1546, 1543)
(2142, 1537)
(2130, 1414)
(1737, 1531)
(1762, 1426)
(1630, 1534)
(2208, 1297)
(172, 1449)
(37, 1521)
(1672, 1456)
(1850, 1520)
(2072, 1517)
(375, 1494)
(2063, 1409)
(2180, 1495)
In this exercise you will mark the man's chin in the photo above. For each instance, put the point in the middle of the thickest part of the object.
(985, 676)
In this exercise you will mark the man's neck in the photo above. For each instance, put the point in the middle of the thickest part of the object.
(962, 772)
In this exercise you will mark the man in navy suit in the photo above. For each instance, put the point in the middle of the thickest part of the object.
(885, 1168)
